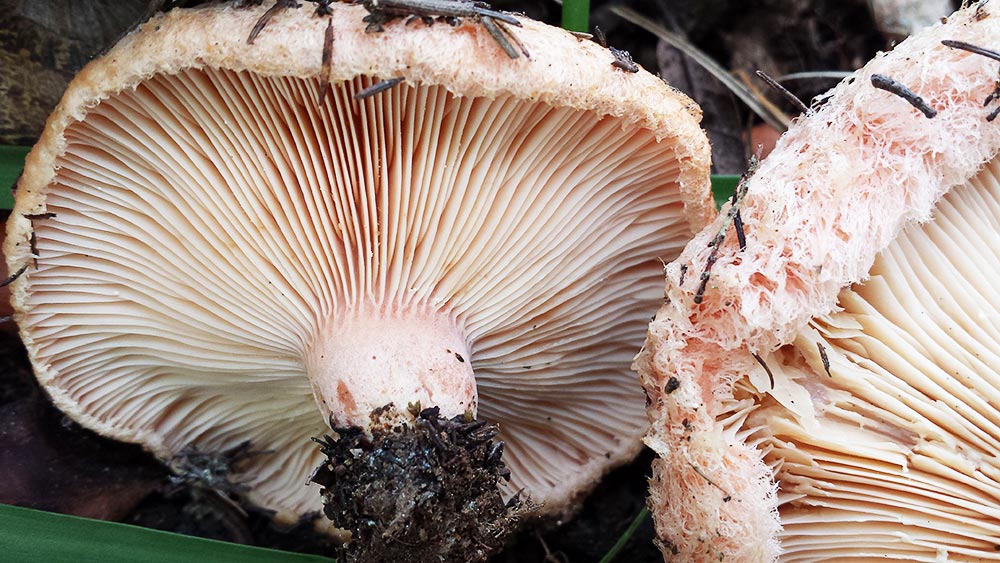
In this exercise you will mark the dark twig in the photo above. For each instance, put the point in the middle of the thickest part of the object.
(993, 96)
(623, 60)
(33, 245)
(741, 236)
(513, 37)
(10, 279)
(763, 364)
(324, 75)
(802, 107)
(378, 87)
(672, 385)
(498, 35)
(890, 85)
(988, 53)
(381, 12)
(980, 13)
(386, 10)
(33, 239)
(264, 19)
(600, 38)
(706, 274)
(730, 218)
(972, 48)
(823, 357)
(323, 7)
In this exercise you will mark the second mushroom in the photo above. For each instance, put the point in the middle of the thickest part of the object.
(220, 251)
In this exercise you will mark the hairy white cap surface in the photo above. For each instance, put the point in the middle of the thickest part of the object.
(893, 454)
(224, 252)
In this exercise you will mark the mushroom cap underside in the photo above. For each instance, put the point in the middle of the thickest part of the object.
(862, 228)
(195, 215)
(882, 424)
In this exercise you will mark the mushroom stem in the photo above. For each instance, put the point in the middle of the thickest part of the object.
(376, 355)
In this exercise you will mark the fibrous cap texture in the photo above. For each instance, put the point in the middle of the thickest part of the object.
(795, 411)
(217, 255)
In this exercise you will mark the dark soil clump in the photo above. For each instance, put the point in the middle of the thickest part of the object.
(420, 490)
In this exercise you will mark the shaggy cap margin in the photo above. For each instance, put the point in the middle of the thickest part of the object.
(839, 187)
(563, 71)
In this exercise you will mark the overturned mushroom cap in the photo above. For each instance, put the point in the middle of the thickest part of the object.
(868, 425)
(219, 251)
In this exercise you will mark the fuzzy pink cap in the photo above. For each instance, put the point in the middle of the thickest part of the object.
(866, 439)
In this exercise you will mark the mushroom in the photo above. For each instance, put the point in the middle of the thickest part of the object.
(224, 255)
(834, 395)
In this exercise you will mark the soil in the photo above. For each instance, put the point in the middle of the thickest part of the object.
(120, 482)
(50, 463)
(418, 489)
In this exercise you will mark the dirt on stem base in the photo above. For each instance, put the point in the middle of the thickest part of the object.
(417, 490)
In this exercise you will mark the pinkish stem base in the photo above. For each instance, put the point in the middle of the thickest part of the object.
(368, 358)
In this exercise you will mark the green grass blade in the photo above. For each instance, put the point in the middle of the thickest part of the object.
(723, 186)
(33, 536)
(11, 163)
(629, 532)
(576, 15)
